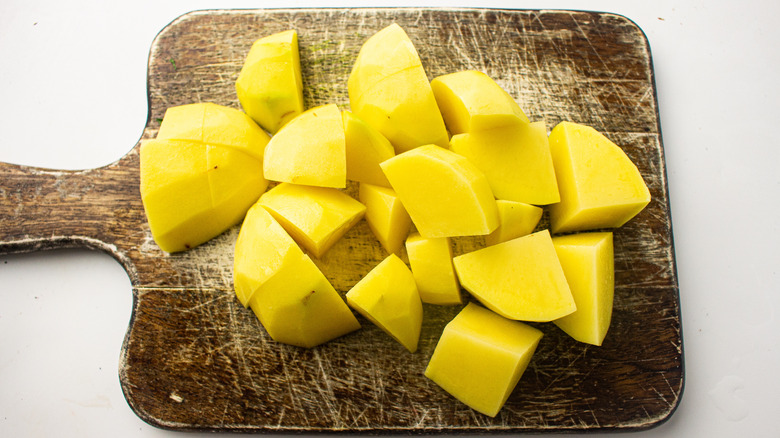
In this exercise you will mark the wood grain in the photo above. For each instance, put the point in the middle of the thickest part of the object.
(195, 359)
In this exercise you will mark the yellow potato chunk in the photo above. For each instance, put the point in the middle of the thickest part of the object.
(431, 263)
(386, 216)
(316, 217)
(365, 149)
(589, 265)
(262, 248)
(516, 219)
(309, 150)
(269, 86)
(471, 101)
(387, 296)
(389, 89)
(520, 279)
(444, 193)
(299, 306)
(516, 160)
(481, 356)
(384, 54)
(201, 175)
(600, 187)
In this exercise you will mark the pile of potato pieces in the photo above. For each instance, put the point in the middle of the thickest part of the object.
(455, 156)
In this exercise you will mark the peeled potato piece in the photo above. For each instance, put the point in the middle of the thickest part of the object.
(599, 185)
(443, 192)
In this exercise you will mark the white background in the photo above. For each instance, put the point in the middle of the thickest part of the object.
(73, 95)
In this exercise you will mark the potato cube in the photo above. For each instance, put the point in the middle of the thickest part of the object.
(310, 149)
(387, 296)
(386, 216)
(316, 217)
(444, 193)
(481, 356)
(299, 306)
(588, 262)
(431, 263)
(600, 187)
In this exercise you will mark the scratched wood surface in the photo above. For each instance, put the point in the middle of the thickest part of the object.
(194, 359)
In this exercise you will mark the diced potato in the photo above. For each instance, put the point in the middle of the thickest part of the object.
(365, 149)
(472, 101)
(520, 279)
(389, 89)
(443, 192)
(589, 265)
(201, 175)
(387, 296)
(298, 306)
(516, 219)
(515, 159)
(263, 247)
(600, 187)
(431, 263)
(269, 86)
(316, 217)
(386, 216)
(382, 55)
(309, 150)
(481, 356)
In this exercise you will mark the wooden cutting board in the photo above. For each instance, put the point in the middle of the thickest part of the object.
(195, 359)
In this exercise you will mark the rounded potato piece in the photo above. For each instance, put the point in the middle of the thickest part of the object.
(316, 217)
(471, 101)
(263, 247)
(599, 185)
(298, 306)
(520, 279)
(201, 175)
(269, 86)
(389, 89)
(309, 150)
(443, 192)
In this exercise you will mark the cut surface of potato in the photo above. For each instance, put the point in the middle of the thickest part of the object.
(431, 263)
(299, 306)
(443, 192)
(309, 150)
(515, 159)
(316, 217)
(269, 86)
(600, 187)
(481, 356)
(387, 296)
(520, 279)
(386, 216)
(588, 262)
(470, 101)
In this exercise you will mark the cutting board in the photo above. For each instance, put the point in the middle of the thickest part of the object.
(195, 359)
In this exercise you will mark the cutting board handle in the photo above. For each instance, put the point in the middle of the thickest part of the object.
(49, 209)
